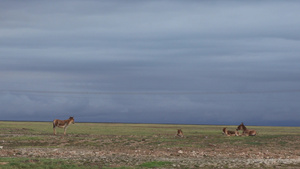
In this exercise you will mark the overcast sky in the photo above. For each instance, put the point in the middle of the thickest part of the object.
(151, 61)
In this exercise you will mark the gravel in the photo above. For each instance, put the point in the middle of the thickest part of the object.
(137, 158)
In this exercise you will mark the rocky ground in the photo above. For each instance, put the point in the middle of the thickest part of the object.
(180, 159)
(188, 152)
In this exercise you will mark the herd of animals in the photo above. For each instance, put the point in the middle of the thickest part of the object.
(246, 132)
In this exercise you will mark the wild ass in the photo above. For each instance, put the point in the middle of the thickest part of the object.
(62, 124)
(246, 131)
(230, 133)
(179, 133)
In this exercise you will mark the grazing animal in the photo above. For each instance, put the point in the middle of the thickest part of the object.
(230, 133)
(246, 131)
(179, 133)
(62, 124)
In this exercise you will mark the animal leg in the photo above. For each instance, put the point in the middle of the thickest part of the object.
(54, 127)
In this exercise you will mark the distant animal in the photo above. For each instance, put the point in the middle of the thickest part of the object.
(230, 133)
(179, 133)
(246, 131)
(62, 124)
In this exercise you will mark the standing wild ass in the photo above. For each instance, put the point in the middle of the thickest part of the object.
(62, 124)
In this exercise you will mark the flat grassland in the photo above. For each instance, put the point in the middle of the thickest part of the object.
(116, 145)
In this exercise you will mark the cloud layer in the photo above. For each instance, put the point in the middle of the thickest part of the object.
(221, 51)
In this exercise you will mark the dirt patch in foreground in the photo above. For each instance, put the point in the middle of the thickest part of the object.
(189, 152)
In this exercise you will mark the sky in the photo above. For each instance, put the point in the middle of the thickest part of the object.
(158, 61)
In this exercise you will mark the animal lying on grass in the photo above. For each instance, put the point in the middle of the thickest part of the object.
(179, 133)
(230, 133)
(246, 132)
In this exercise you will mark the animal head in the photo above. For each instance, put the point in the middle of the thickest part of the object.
(179, 133)
(241, 127)
(224, 130)
(72, 120)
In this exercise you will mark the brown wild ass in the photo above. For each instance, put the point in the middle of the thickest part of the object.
(179, 133)
(246, 131)
(230, 133)
(62, 124)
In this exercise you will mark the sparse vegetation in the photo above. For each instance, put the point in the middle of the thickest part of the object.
(119, 146)
(41, 163)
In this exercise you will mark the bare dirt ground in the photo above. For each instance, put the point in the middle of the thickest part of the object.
(192, 151)
(117, 151)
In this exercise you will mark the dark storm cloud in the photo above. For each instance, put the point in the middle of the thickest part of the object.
(151, 46)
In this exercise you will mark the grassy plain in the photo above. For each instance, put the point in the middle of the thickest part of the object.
(118, 145)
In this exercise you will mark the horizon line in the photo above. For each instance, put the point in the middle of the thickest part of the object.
(153, 123)
(148, 92)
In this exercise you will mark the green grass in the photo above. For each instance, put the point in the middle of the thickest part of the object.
(20, 138)
(128, 138)
(108, 128)
(37, 163)
(127, 134)
(135, 129)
